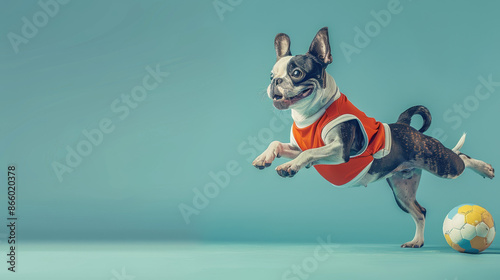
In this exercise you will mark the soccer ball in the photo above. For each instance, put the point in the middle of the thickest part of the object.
(469, 228)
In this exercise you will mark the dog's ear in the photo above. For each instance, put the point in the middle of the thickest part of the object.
(320, 47)
(282, 45)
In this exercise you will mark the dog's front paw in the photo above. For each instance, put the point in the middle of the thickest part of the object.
(264, 160)
(288, 169)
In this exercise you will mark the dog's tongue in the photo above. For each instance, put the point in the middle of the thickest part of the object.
(306, 93)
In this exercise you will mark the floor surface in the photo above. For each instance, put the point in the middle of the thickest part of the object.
(128, 261)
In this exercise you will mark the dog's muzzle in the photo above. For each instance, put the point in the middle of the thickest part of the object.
(281, 102)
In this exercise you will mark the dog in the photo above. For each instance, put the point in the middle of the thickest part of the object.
(344, 145)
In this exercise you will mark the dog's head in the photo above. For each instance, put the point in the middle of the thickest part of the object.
(301, 79)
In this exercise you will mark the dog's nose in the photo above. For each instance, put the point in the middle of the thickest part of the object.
(278, 81)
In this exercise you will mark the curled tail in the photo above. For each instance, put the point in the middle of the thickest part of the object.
(405, 117)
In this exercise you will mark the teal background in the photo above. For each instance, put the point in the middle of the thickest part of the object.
(213, 102)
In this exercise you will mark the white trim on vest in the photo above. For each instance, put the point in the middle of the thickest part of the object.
(344, 118)
(355, 181)
(292, 139)
(388, 143)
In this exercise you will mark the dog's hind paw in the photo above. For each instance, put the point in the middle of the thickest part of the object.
(485, 170)
(480, 167)
(490, 171)
(413, 244)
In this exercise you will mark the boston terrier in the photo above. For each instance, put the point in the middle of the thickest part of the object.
(347, 147)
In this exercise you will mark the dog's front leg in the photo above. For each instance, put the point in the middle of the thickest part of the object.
(333, 153)
(338, 143)
(275, 149)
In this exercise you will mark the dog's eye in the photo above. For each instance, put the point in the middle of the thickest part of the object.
(272, 76)
(296, 73)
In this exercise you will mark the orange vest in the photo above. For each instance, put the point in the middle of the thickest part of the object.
(339, 111)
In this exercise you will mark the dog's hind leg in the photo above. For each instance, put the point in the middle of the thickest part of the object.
(404, 185)
(480, 167)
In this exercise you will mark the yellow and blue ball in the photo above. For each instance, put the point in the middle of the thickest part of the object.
(469, 228)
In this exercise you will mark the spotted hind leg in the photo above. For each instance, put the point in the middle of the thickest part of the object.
(480, 167)
(404, 185)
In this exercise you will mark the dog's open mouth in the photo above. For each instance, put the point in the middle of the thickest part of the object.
(281, 102)
(303, 94)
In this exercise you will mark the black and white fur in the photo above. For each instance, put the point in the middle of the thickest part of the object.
(301, 83)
